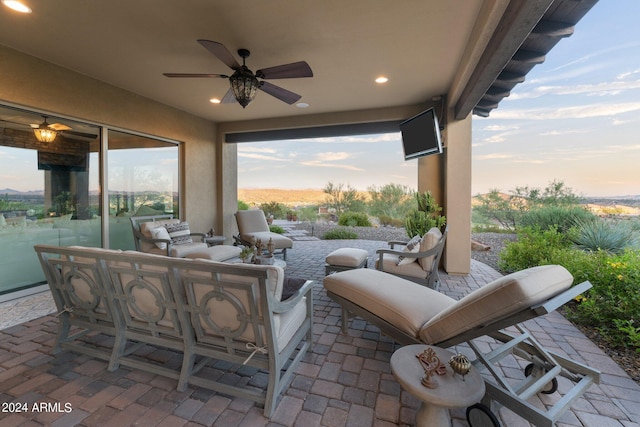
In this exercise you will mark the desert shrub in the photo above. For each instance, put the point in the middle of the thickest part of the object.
(607, 236)
(532, 247)
(243, 206)
(276, 229)
(354, 219)
(340, 234)
(277, 209)
(560, 217)
(613, 304)
(389, 221)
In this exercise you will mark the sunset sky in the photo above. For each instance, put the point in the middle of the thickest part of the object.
(575, 119)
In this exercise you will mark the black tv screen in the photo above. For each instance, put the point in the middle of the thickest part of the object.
(421, 135)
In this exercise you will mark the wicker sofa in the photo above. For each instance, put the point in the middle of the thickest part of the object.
(203, 310)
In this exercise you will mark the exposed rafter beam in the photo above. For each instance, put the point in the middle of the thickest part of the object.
(519, 19)
(556, 29)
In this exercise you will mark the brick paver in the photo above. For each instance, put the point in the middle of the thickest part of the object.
(345, 380)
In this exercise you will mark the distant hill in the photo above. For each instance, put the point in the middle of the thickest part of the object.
(13, 192)
(295, 197)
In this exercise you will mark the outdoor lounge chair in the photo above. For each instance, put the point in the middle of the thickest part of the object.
(166, 235)
(419, 265)
(414, 314)
(252, 225)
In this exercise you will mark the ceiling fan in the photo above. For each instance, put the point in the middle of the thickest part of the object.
(244, 83)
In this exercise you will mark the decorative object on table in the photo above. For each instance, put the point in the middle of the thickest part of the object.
(209, 233)
(460, 364)
(271, 247)
(432, 366)
(246, 254)
(259, 247)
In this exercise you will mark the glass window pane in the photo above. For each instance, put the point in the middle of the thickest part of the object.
(46, 194)
(143, 180)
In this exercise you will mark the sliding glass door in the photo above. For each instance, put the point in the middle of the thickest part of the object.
(51, 191)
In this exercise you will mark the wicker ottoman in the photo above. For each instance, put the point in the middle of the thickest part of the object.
(345, 259)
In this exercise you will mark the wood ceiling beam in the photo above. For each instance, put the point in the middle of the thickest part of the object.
(518, 20)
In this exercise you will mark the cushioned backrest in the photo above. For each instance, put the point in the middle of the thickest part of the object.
(229, 304)
(497, 300)
(146, 227)
(251, 221)
(429, 241)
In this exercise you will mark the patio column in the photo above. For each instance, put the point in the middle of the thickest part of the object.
(457, 196)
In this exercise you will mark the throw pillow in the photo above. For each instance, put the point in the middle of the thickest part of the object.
(179, 233)
(412, 246)
(160, 233)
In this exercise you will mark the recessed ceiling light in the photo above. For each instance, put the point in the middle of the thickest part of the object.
(382, 79)
(302, 105)
(214, 101)
(18, 6)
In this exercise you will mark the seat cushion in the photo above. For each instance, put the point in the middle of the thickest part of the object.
(347, 257)
(497, 300)
(400, 302)
(181, 251)
(391, 264)
(216, 253)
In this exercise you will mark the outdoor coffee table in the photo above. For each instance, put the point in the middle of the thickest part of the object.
(451, 392)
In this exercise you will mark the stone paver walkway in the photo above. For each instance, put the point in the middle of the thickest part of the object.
(344, 381)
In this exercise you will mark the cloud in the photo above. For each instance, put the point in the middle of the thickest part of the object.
(599, 89)
(500, 127)
(579, 112)
(250, 149)
(565, 132)
(327, 159)
(262, 157)
(494, 156)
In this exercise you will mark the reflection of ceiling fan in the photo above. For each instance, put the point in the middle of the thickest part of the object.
(244, 83)
(45, 131)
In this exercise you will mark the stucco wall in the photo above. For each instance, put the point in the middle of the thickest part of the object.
(36, 84)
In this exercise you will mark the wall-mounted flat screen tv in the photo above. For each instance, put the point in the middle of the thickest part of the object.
(421, 135)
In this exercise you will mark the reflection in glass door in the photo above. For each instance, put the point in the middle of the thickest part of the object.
(143, 180)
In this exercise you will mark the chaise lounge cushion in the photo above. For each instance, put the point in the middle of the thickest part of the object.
(496, 300)
(400, 302)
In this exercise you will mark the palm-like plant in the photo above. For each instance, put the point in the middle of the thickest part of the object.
(608, 236)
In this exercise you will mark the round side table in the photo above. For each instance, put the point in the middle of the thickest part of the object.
(452, 392)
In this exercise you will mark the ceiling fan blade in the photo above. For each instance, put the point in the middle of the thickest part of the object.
(286, 71)
(221, 76)
(228, 98)
(220, 52)
(59, 126)
(280, 93)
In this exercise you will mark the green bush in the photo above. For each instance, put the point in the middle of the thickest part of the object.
(340, 234)
(533, 247)
(243, 206)
(354, 219)
(560, 217)
(278, 210)
(389, 221)
(607, 236)
(613, 303)
(276, 229)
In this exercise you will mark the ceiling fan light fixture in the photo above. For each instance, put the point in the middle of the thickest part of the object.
(44, 132)
(244, 85)
(18, 6)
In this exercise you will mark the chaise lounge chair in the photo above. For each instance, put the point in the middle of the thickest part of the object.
(414, 314)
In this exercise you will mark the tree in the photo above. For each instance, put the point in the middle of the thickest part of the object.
(343, 199)
(392, 200)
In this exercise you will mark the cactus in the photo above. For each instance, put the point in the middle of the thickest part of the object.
(420, 221)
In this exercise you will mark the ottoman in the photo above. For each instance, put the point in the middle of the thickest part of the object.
(345, 259)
